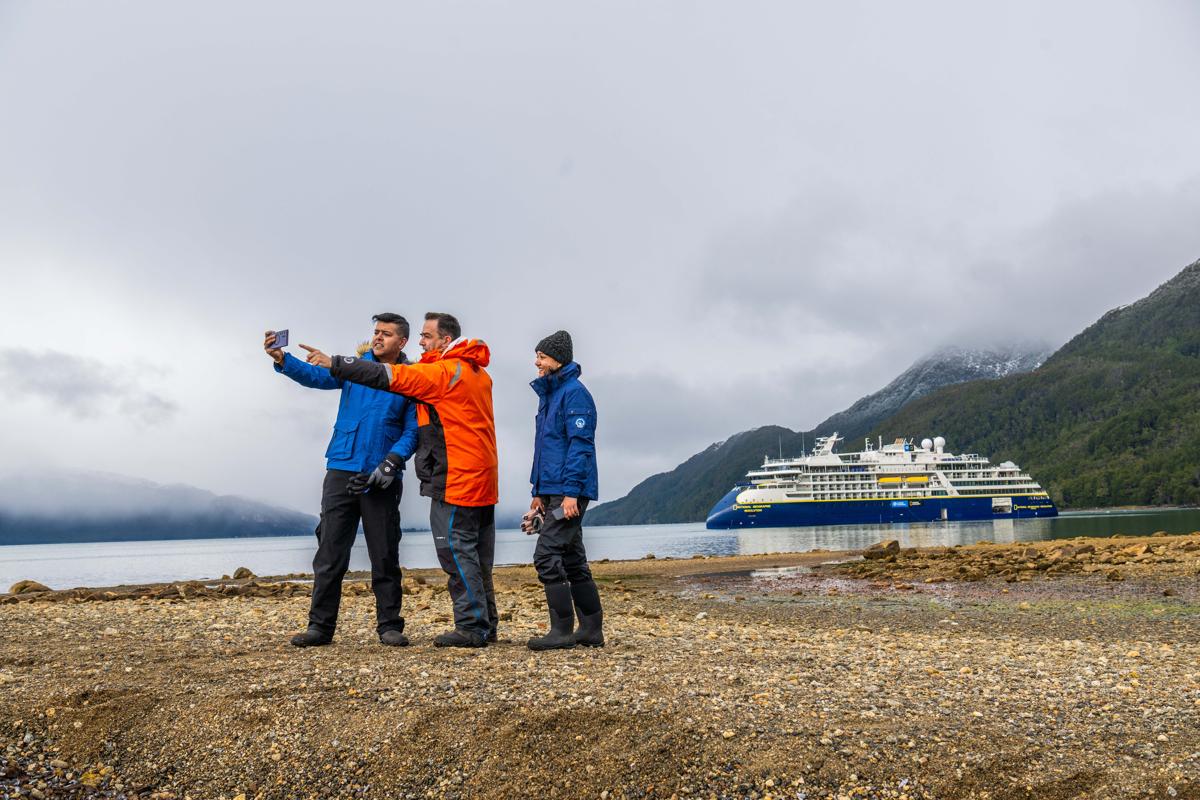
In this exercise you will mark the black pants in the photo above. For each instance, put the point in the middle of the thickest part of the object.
(559, 555)
(465, 540)
(379, 510)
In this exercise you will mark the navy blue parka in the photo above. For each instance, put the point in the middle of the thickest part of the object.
(564, 446)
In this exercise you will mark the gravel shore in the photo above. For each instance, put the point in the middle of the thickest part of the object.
(751, 676)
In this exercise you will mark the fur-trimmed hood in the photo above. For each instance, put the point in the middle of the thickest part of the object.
(364, 351)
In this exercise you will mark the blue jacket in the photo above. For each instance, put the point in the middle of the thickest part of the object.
(564, 446)
(370, 423)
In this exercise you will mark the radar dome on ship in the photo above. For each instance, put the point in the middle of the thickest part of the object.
(938, 441)
(926, 444)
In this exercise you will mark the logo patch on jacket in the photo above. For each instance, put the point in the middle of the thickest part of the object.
(579, 422)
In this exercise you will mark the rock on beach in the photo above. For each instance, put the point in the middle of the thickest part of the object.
(25, 587)
(884, 549)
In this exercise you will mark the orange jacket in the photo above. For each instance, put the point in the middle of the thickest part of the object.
(456, 452)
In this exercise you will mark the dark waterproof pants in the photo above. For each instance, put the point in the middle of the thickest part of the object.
(465, 540)
(559, 556)
(379, 511)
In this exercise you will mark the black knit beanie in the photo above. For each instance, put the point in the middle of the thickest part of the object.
(558, 346)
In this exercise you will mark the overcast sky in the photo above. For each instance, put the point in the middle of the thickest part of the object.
(745, 213)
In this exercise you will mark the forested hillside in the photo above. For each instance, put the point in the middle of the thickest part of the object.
(686, 493)
(1112, 418)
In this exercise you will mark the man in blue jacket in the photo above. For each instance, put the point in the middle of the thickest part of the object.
(564, 482)
(374, 434)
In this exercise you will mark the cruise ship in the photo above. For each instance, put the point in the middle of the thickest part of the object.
(897, 482)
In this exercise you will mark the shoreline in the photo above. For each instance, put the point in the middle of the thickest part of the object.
(774, 675)
(425, 574)
(100, 560)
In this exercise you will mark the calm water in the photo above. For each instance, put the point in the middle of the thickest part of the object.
(63, 566)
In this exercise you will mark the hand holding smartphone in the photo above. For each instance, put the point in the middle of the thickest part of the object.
(273, 344)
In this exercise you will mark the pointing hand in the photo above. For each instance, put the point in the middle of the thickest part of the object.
(316, 357)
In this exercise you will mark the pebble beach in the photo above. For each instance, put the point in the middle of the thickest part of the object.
(1066, 669)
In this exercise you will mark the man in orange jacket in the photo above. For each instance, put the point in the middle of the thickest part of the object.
(455, 461)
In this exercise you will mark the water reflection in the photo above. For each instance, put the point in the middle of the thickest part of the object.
(947, 534)
(931, 534)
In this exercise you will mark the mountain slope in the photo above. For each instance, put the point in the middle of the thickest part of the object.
(946, 367)
(686, 493)
(1112, 418)
(88, 507)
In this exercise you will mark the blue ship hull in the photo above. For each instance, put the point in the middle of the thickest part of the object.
(727, 513)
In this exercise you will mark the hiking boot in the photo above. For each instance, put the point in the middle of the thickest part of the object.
(492, 638)
(393, 639)
(459, 638)
(562, 620)
(313, 637)
(591, 617)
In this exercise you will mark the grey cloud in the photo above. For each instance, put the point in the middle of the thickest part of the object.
(94, 494)
(756, 214)
(825, 261)
(829, 263)
(82, 387)
(652, 421)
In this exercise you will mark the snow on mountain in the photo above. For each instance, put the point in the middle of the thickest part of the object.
(944, 367)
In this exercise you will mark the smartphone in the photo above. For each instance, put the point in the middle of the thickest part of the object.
(558, 513)
(281, 339)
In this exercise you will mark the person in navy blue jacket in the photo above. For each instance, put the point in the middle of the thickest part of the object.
(564, 482)
(374, 434)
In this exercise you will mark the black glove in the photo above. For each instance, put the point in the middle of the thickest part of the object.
(356, 485)
(386, 472)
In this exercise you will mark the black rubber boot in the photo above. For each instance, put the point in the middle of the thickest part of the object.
(313, 637)
(393, 639)
(591, 615)
(562, 620)
(459, 638)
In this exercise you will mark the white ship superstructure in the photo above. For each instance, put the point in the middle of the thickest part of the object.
(882, 483)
